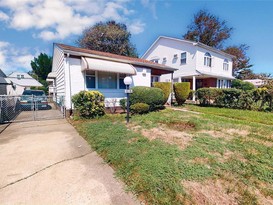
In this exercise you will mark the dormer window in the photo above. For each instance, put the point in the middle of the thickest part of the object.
(175, 56)
(207, 59)
(22, 76)
(19, 77)
(225, 65)
(155, 60)
(164, 60)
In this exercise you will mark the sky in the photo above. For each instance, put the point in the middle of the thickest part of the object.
(29, 27)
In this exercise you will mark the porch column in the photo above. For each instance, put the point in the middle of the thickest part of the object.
(193, 87)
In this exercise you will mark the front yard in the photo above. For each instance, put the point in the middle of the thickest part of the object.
(215, 156)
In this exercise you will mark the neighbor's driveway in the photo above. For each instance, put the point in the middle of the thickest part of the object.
(47, 162)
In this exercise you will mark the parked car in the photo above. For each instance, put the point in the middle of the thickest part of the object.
(33, 99)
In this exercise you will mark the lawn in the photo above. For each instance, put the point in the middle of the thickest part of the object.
(216, 156)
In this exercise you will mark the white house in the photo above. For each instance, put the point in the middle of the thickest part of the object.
(20, 81)
(76, 69)
(197, 63)
(256, 82)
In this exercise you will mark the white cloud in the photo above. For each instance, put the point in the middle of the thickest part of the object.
(58, 19)
(150, 4)
(136, 27)
(14, 59)
(3, 16)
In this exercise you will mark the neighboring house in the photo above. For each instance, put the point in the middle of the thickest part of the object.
(3, 83)
(19, 81)
(76, 69)
(197, 63)
(256, 82)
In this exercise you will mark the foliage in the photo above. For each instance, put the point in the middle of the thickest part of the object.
(154, 97)
(109, 37)
(140, 108)
(239, 84)
(208, 29)
(122, 104)
(89, 104)
(207, 96)
(181, 92)
(241, 63)
(254, 99)
(41, 66)
(165, 87)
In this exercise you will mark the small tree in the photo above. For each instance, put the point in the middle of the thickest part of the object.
(242, 85)
(109, 37)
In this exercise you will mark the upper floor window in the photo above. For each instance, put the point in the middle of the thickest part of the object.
(155, 60)
(183, 58)
(207, 59)
(225, 65)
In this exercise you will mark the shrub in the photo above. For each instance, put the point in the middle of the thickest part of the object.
(228, 98)
(140, 108)
(154, 97)
(181, 92)
(122, 104)
(165, 87)
(242, 85)
(89, 104)
(207, 96)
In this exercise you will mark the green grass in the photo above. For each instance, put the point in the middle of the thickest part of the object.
(154, 169)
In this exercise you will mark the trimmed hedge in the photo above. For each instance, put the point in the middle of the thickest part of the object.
(242, 85)
(166, 87)
(140, 108)
(181, 92)
(89, 104)
(256, 99)
(154, 97)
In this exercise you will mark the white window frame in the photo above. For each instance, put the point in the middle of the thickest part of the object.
(207, 59)
(185, 58)
(225, 65)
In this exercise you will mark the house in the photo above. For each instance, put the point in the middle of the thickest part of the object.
(20, 81)
(197, 63)
(76, 69)
(256, 82)
(3, 83)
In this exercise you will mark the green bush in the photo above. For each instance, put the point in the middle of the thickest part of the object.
(139, 108)
(181, 92)
(228, 98)
(207, 96)
(154, 97)
(242, 85)
(89, 104)
(122, 104)
(166, 87)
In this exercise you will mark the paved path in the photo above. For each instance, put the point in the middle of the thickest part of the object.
(47, 162)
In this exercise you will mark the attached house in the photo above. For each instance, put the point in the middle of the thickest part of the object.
(20, 81)
(76, 69)
(197, 63)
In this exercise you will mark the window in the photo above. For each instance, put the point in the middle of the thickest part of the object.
(18, 77)
(90, 79)
(107, 80)
(164, 60)
(121, 82)
(175, 56)
(155, 60)
(22, 76)
(207, 59)
(183, 58)
(225, 65)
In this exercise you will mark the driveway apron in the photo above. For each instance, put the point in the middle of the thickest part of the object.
(47, 162)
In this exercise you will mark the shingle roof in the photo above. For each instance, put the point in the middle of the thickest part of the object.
(131, 60)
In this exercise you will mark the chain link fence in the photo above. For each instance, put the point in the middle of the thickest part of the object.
(30, 107)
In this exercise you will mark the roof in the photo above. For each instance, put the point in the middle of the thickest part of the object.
(190, 42)
(203, 73)
(27, 81)
(2, 74)
(112, 57)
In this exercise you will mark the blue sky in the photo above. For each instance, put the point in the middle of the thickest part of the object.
(28, 27)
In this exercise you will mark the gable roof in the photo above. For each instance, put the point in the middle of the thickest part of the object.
(201, 45)
(112, 57)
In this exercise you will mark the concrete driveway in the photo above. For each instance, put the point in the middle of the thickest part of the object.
(47, 162)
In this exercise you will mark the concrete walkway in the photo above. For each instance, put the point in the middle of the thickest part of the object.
(47, 162)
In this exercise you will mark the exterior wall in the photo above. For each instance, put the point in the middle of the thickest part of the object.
(210, 82)
(216, 65)
(167, 48)
(3, 89)
(58, 66)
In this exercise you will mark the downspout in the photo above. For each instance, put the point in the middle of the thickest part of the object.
(70, 112)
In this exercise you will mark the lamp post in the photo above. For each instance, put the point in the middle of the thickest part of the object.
(128, 81)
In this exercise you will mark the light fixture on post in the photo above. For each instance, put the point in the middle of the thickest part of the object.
(128, 81)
